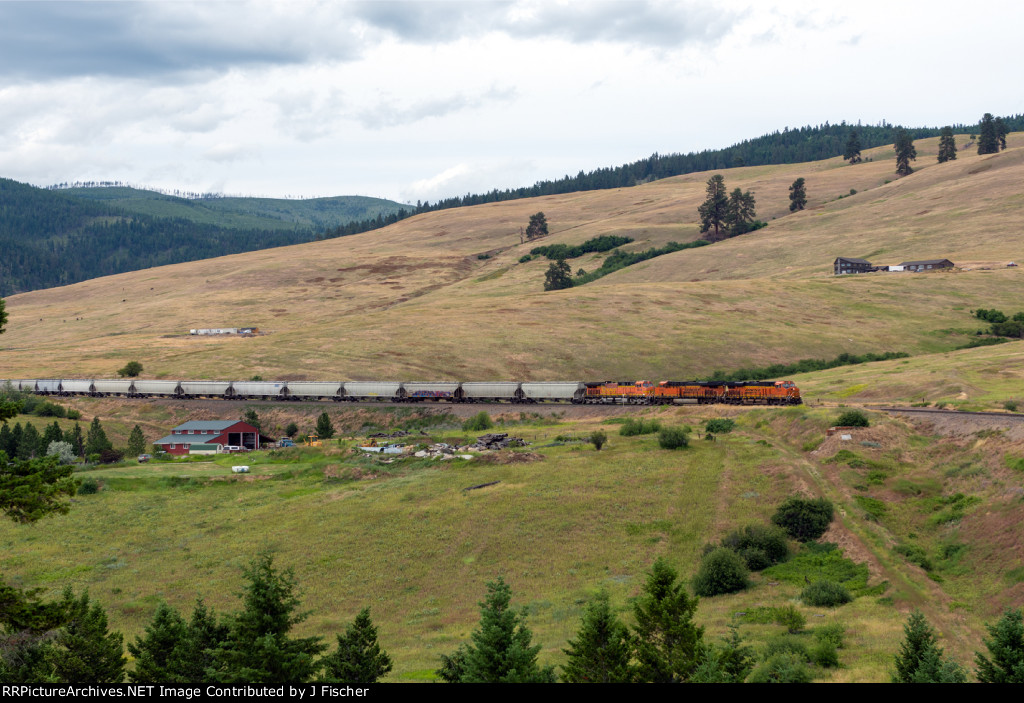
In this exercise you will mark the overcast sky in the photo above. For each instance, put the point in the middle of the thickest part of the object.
(422, 99)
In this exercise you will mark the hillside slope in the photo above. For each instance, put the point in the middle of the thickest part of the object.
(442, 295)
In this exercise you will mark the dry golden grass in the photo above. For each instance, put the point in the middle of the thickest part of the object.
(414, 302)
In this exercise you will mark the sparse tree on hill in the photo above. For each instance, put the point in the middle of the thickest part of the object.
(359, 658)
(1001, 131)
(136, 442)
(538, 226)
(714, 212)
(988, 137)
(558, 276)
(947, 145)
(603, 649)
(251, 418)
(324, 428)
(852, 152)
(3, 317)
(905, 152)
(797, 195)
(741, 213)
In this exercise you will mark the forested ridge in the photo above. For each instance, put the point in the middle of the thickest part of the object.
(789, 146)
(48, 239)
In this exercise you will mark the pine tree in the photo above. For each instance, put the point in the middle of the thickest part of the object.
(1001, 131)
(7, 443)
(667, 640)
(603, 648)
(52, 433)
(538, 226)
(251, 418)
(359, 658)
(85, 651)
(33, 488)
(988, 137)
(500, 651)
(28, 445)
(136, 442)
(558, 276)
(920, 658)
(903, 144)
(324, 428)
(947, 145)
(257, 648)
(96, 440)
(76, 440)
(1006, 647)
(714, 212)
(852, 152)
(730, 662)
(155, 651)
(3, 317)
(797, 195)
(740, 213)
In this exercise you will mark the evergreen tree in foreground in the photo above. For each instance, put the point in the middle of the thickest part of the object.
(155, 652)
(797, 195)
(324, 428)
(947, 145)
(1005, 646)
(668, 642)
(136, 442)
(729, 662)
(257, 648)
(96, 439)
(903, 144)
(359, 658)
(603, 648)
(500, 651)
(920, 658)
(85, 651)
(852, 152)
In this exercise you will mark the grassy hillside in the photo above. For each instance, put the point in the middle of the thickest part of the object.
(442, 295)
(242, 213)
(563, 522)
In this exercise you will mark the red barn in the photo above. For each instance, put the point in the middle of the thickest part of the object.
(224, 433)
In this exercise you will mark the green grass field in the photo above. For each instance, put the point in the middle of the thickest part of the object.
(407, 540)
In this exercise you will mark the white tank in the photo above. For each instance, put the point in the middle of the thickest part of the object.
(314, 389)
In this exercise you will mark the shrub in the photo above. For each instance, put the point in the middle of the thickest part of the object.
(74, 415)
(781, 668)
(673, 438)
(790, 618)
(1011, 405)
(111, 456)
(479, 422)
(524, 258)
(88, 486)
(632, 427)
(48, 409)
(721, 571)
(825, 594)
(131, 369)
(766, 542)
(824, 654)
(786, 644)
(598, 438)
(719, 426)
(915, 554)
(804, 519)
(853, 418)
(834, 633)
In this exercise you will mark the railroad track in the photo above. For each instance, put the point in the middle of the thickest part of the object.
(952, 413)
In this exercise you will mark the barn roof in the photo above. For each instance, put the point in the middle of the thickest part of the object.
(853, 261)
(927, 262)
(207, 425)
(188, 438)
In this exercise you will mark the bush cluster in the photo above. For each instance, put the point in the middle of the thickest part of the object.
(632, 427)
(825, 594)
(804, 519)
(673, 438)
(853, 418)
(721, 571)
(479, 422)
(760, 545)
(719, 425)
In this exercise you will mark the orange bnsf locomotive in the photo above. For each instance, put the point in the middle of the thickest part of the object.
(699, 392)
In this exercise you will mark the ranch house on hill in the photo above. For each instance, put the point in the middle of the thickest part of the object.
(927, 265)
(846, 265)
(210, 437)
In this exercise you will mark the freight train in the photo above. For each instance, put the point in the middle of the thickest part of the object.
(577, 392)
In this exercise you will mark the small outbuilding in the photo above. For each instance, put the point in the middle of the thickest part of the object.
(927, 265)
(844, 265)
